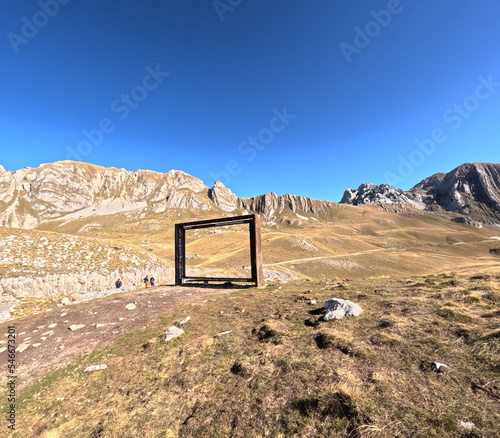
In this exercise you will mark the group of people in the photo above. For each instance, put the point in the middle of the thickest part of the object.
(148, 281)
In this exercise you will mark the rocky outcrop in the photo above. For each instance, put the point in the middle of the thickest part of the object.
(372, 194)
(223, 198)
(38, 264)
(69, 190)
(472, 189)
(269, 205)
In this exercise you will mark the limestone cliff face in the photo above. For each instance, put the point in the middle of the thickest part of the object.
(472, 189)
(386, 194)
(270, 204)
(223, 198)
(70, 190)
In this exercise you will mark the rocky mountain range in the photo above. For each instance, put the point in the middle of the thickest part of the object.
(471, 190)
(69, 190)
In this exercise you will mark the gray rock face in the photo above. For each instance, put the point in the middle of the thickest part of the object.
(68, 189)
(467, 221)
(7, 185)
(337, 308)
(173, 332)
(472, 189)
(71, 190)
(270, 204)
(372, 194)
(222, 197)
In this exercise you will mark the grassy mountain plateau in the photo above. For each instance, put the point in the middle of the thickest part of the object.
(422, 359)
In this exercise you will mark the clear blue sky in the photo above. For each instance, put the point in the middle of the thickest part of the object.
(290, 96)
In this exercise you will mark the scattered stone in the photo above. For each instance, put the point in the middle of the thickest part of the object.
(466, 425)
(337, 308)
(173, 332)
(439, 367)
(95, 368)
(76, 327)
(312, 302)
(65, 301)
(61, 346)
(186, 319)
(121, 319)
(99, 325)
(63, 314)
(225, 332)
(52, 325)
(22, 347)
(5, 312)
(36, 345)
(50, 332)
(131, 306)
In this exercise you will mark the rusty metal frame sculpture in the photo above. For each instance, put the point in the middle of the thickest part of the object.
(252, 220)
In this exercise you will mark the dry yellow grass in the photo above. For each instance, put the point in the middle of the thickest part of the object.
(282, 373)
(351, 242)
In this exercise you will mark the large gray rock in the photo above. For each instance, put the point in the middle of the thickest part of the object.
(337, 308)
(173, 332)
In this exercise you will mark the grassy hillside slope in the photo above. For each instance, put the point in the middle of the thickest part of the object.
(280, 372)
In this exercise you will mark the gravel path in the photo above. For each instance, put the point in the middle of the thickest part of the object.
(44, 342)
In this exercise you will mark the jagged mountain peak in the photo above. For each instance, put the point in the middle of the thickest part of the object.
(67, 190)
(471, 189)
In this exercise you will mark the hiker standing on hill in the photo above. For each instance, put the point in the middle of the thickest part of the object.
(118, 284)
(152, 281)
(146, 281)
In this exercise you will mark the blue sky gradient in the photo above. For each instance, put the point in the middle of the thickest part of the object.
(289, 96)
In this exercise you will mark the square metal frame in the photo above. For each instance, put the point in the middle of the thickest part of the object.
(255, 248)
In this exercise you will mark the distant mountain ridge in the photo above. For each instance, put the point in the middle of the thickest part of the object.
(472, 190)
(67, 190)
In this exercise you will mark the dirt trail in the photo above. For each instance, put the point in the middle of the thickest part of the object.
(51, 344)
(330, 257)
